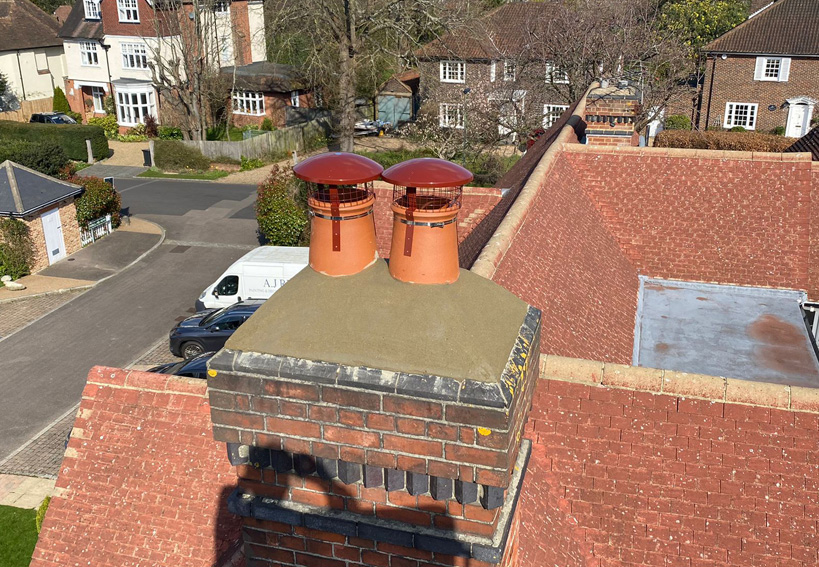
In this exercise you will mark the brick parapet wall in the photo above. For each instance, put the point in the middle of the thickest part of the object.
(655, 467)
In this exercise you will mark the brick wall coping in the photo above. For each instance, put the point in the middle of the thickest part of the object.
(467, 189)
(497, 246)
(683, 384)
(686, 153)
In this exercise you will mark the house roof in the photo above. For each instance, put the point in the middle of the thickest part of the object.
(142, 482)
(24, 191)
(76, 26)
(787, 27)
(61, 13)
(265, 76)
(807, 143)
(506, 31)
(25, 26)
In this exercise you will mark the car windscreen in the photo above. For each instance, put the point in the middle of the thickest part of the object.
(63, 120)
(207, 319)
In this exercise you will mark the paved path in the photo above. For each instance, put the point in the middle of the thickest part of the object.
(16, 314)
(104, 170)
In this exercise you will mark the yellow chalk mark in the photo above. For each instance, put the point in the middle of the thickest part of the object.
(484, 431)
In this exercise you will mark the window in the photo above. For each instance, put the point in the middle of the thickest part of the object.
(294, 98)
(493, 71)
(451, 115)
(220, 7)
(230, 323)
(128, 10)
(556, 75)
(453, 71)
(508, 70)
(772, 69)
(245, 102)
(98, 94)
(134, 56)
(92, 9)
(551, 112)
(41, 59)
(88, 53)
(740, 114)
(134, 107)
(228, 286)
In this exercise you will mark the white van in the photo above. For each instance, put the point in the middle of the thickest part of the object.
(256, 275)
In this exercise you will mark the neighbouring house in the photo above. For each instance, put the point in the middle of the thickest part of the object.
(488, 69)
(262, 90)
(31, 54)
(46, 205)
(397, 100)
(109, 45)
(764, 74)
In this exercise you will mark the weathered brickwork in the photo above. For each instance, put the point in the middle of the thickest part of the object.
(731, 218)
(556, 263)
(734, 82)
(610, 116)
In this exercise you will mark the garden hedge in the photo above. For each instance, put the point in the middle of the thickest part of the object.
(713, 140)
(45, 157)
(70, 137)
(173, 155)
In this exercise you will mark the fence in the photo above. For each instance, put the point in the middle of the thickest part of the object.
(281, 141)
(96, 230)
(27, 108)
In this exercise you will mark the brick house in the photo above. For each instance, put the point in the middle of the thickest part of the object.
(46, 205)
(488, 69)
(764, 74)
(109, 45)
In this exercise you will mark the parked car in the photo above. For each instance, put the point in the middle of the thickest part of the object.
(52, 118)
(209, 330)
(196, 367)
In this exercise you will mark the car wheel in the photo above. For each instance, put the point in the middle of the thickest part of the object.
(190, 350)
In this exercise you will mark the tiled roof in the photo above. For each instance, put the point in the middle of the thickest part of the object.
(25, 26)
(76, 26)
(503, 32)
(24, 191)
(266, 77)
(142, 482)
(788, 27)
(807, 143)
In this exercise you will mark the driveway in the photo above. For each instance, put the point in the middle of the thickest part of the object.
(45, 364)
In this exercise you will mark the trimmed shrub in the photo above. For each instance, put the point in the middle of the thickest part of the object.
(714, 140)
(281, 220)
(250, 163)
(778, 131)
(738, 129)
(677, 122)
(70, 137)
(267, 125)
(169, 133)
(16, 248)
(41, 512)
(173, 155)
(98, 200)
(108, 123)
(45, 157)
(151, 128)
(60, 102)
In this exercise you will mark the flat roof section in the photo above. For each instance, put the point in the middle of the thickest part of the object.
(749, 333)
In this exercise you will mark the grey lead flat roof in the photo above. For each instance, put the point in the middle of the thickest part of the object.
(749, 333)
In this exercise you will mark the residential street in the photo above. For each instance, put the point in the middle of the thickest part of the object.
(45, 364)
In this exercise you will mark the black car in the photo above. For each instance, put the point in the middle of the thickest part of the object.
(52, 118)
(208, 330)
(196, 367)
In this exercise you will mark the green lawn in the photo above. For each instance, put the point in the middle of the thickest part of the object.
(205, 175)
(18, 535)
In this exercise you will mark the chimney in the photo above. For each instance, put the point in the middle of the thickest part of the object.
(426, 200)
(372, 420)
(341, 197)
(611, 113)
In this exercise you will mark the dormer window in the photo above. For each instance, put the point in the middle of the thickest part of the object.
(128, 11)
(92, 9)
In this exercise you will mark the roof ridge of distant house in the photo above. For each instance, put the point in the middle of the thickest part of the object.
(30, 199)
(25, 26)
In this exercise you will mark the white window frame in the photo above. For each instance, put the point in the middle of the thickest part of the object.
(221, 7)
(98, 94)
(89, 56)
(451, 115)
(551, 112)
(763, 64)
(248, 103)
(555, 75)
(132, 109)
(128, 11)
(133, 54)
(453, 71)
(493, 71)
(731, 115)
(41, 60)
(294, 98)
(92, 9)
(509, 70)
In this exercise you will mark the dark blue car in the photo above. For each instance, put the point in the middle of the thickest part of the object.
(209, 330)
(196, 367)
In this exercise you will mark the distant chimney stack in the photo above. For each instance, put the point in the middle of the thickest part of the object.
(341, 198)
(426, 200)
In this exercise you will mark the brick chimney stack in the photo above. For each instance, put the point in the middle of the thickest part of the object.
(378, 422)
(610, 116)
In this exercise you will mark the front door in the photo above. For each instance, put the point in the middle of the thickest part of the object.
(53, 231)
(798, 120)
